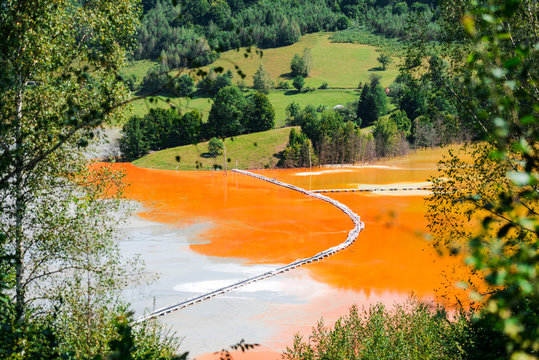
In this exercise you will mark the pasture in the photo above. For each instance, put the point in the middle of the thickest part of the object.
(252, 151)
(341, 65)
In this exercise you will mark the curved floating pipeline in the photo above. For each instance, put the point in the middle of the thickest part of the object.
(352, 235)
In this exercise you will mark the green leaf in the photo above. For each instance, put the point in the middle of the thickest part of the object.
(512, 62)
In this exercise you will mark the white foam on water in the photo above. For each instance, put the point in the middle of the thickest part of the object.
(307, 173)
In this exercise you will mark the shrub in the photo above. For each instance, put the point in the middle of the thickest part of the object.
(184, 85)
(409, 331)
(298, 83)
(297, 66)
(215, 146)
(324, 86)
(157, 80)
(283, 85)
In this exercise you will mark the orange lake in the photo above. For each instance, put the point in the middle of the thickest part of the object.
(257, 223)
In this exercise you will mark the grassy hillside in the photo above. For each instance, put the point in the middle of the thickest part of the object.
(328, 98)
(252, 151)
(338, 64)
(341, 65)
(278, 98)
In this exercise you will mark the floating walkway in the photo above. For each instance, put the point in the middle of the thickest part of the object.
(351, 238)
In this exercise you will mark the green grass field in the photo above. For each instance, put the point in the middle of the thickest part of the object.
(143, 106)
(341, 65)
(139, 69)
(338, 64)
(252, 151)
(328, 98)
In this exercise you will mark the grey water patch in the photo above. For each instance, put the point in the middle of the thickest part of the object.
(178, 273)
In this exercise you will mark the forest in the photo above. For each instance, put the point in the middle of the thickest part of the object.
(469, 74)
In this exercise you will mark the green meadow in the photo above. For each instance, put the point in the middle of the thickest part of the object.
(341, 65)
(251, 151)
(338, 64)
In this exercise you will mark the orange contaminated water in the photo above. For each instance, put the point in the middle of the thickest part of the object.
(262, 223)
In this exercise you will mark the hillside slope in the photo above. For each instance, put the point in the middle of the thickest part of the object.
(252, 151)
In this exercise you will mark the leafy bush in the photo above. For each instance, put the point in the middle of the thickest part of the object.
(184, 85)
(215, 146)
(297, 66)
(157, 80)
(298, 83)
(409, 331)
(212, 82)
(324, 86)
(283, 85)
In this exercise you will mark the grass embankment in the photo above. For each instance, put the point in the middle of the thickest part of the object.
(341, 65)
(251, 151)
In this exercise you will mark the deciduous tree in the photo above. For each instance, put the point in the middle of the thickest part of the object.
(261, 80)
(385, 60)
(227, 114)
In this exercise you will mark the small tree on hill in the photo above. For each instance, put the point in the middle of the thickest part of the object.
(184, 85)
(215, 146)
(261, 113)
(298, 83)
(297, 66)
(384, 60)
(301, 65)
(261, 80)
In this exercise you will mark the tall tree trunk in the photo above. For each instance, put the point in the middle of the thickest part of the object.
(19, 206)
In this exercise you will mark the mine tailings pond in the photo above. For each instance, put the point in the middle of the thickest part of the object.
(200, 231)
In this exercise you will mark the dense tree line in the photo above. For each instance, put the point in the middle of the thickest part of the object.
(193, 34)
(392, 18)
(231, 114)
(159, 129)
(334, 139)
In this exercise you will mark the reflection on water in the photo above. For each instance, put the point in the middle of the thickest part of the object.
(254, 222)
